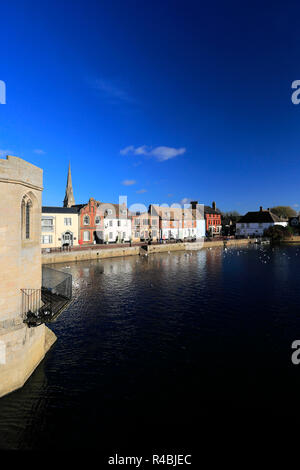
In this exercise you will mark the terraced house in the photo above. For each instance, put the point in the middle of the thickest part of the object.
(144, 226)
(180, 224)
(115, 224)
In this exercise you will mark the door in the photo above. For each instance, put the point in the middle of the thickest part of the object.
(67, 239)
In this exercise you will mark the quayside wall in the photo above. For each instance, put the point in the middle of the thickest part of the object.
(69, 256)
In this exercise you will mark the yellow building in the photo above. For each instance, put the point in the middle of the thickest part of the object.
(59, 227)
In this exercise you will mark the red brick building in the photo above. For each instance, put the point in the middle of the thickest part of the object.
(213, 220)
(89, 222)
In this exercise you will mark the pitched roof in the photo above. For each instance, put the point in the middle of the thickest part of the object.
(116, 208)
(60, 210)
(174, 213)
(210, 210)
(262, 216)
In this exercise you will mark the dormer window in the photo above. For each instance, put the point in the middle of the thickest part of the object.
(86, 220)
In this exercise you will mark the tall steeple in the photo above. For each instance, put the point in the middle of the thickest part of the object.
(69, 197)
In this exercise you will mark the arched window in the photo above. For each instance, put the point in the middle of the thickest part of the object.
(86, 220)
(26, 218)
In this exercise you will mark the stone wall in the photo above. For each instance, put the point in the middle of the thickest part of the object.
(67, 257)
(20, 258)
(24, 349)
(20, 268)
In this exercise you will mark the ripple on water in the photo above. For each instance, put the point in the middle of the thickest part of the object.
(163, 329)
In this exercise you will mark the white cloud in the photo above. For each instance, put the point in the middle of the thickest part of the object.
(166, 153)
(141, 191)
(161, 153)
(39, 151)
(185, 200)
(128, 182)
(111, 90)
(127, 150)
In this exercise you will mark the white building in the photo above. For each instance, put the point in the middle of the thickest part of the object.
(116, 225)
(59, 227)
(255, 223)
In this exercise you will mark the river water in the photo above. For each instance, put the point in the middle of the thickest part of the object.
(163, 340)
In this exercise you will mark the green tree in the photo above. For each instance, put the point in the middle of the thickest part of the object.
(231, 215)
(284, 211)
(278, 233)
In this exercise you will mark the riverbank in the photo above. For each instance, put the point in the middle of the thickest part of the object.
(89, 254)
(295, 239)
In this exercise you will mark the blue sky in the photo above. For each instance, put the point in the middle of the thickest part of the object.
(161, 101)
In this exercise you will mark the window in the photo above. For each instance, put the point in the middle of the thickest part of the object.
(145, 221)
(153, 233)
(137, 234)
(124, 235)
(46, 239)
(97, 220)
(86, 220)
(136, 222)
(154, 222)
(27, 220)
(86, 236)
(47, 224)
(110, 235)
(68, 221)
(119, 223)
(123, 212)
(110, 223)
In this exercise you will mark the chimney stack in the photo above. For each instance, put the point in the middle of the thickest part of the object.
(260, 209)
(194, 204)
(214, 205)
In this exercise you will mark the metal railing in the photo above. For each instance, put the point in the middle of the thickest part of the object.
(45, 304)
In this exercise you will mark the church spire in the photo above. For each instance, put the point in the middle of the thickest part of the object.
(69, 197)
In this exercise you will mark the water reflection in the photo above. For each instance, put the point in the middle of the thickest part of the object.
(143, 336)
